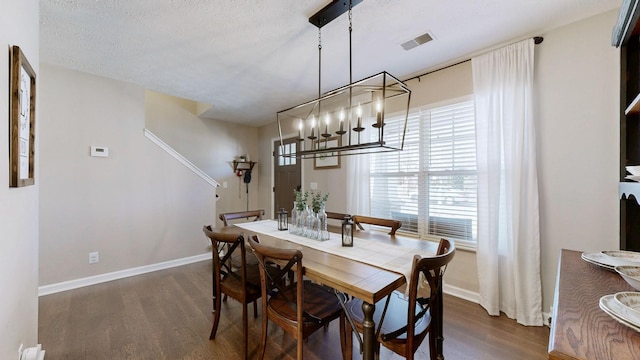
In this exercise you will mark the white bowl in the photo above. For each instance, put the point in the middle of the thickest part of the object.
(634, 170)
(631, 305)
(630, 274)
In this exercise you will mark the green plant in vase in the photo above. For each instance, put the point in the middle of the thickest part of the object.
(301, 199)
(318, 200)
(317, 204)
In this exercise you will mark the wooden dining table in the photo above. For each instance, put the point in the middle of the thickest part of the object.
(366, 282)
(580, 329)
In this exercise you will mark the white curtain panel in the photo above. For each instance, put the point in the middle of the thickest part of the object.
(358, 184)
(358, 172)
(508, 252)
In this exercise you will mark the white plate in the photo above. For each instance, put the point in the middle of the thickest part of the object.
(632, 256)
(616, 310)
(634, 170)
(631, 302)
(596, 258)
(630, 274)
(633, 177)
(611, 259)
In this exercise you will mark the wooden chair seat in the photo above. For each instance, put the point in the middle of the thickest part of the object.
(395, 317)
(319, 302)
(234, 287)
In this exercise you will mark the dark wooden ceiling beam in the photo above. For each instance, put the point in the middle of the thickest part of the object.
(332, 11)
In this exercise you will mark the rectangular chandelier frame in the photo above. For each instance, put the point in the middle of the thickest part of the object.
(354, 115)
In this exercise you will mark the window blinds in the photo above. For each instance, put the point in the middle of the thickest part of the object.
(431, 185)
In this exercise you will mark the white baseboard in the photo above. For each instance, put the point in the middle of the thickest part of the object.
(461, 293)
(97, 279)
(475, 298)
(546, 316)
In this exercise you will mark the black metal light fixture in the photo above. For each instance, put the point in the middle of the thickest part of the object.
(347, 231)
(283, 220)
(351, 119)
(242, 167)
(239, 165)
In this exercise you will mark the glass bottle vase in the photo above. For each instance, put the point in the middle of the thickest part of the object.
(293, 224)
(323, 228)
(308, 222)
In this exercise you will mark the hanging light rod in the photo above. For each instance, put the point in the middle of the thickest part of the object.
(537, 40)
(332, 11)
(349, 120)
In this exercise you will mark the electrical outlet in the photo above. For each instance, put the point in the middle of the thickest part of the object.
(94, 257)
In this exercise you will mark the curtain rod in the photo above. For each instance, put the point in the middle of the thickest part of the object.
(536, 40)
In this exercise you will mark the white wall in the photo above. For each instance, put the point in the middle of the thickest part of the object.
(137, 207)
(19, 25)
(210, 144)
(577, 77)
(577, 80)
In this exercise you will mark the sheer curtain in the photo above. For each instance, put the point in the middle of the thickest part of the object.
(508, 251)
(358, 184)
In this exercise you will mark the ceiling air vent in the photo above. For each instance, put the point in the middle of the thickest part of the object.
(424, 38)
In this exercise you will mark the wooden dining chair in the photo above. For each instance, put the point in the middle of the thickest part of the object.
(394, 225)
(238, 281)
(247, 215)
(403, 323)
(299, 308)
(335, 215)
(252, 215)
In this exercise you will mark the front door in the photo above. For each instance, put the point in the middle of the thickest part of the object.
(287, 173)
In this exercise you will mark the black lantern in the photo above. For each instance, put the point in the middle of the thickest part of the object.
(347, 231)
(283, 219)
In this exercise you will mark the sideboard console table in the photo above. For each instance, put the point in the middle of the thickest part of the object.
(579, 328)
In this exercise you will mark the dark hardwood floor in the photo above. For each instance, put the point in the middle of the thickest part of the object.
(167, 315)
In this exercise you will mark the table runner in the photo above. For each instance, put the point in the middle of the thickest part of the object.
(386, 256)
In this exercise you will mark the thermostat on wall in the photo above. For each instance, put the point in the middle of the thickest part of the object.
(100, 151)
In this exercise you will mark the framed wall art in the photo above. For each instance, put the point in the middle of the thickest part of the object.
(22, 120)
(328, 161)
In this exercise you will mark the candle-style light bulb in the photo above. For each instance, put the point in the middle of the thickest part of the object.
(300, 126)
(379, 113)
(359, 113)
(313, 125)
(327, 121)
(341, 117)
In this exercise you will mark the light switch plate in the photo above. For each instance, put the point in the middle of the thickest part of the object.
(313, 186)
(99, 151)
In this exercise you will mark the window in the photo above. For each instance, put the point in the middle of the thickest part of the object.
(431, 185)
(286, 154)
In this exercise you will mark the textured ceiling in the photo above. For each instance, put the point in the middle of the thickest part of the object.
(249, 59)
